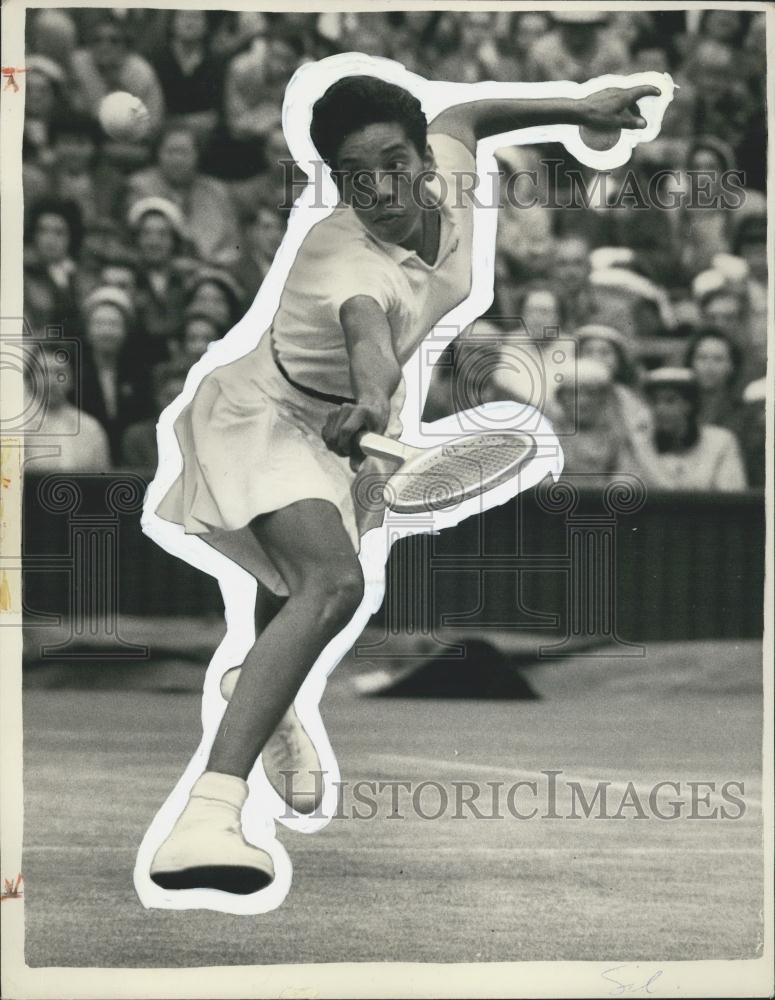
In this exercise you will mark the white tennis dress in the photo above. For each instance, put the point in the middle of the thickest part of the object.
(251, 442)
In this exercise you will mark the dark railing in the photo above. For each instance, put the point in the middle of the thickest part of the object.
(566, 560)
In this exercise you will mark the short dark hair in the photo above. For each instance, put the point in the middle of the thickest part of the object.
(357, 101)
(714, 333)
(75, 123)
(66, 209)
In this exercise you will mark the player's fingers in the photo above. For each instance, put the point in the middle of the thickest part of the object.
(636, 93)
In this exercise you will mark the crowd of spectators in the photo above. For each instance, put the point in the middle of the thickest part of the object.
(630, 306)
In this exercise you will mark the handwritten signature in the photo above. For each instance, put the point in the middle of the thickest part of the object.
(625, 983)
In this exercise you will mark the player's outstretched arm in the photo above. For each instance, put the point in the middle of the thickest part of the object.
(374, 372)
(605, 110)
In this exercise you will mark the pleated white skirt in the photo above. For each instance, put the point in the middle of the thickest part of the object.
(251, 444)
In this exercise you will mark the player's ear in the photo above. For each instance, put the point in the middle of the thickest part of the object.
(428, 159)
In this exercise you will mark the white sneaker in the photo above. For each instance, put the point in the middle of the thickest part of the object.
(290, 760)
(206, 848)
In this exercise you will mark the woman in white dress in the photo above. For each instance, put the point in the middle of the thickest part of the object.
(269, 443)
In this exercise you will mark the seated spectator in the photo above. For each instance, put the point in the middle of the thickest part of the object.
(524, 30)
(114, 389)
(570, 273)
(52, 285)
(263, 236)
(138, 446)
(64, 439)
(120, 272)
(191, 78)
(609, 347)
(207, 210)
(596, 443)
(214, 292)
(750, 244)
(723, 307)
(467, 50)
(199, 331)
(77, 172)
(690, 456)
(253, 98)
(519, 357)
(577, 48)
(108, 63)
(45, 85)
(53, 34)
(753, 431)
(716, 361)
(158, 230)
(704, 222)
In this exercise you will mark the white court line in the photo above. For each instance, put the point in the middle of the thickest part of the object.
(495, 770)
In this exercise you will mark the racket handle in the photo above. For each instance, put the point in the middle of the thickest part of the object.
(379, 446)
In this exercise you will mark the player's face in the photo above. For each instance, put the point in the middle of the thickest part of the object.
(380, 173)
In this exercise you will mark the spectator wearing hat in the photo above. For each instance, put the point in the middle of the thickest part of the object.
(690, 456)
(138, 445)
(159, 237)
(115, 389)
(52, 284)
(577, 48)
(107, 64)
(716, 361)
(610, 347)
(207, 211)
(596, 443)
(191, 77)
(66, 439)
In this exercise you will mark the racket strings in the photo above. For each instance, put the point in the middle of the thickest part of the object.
(461, 469)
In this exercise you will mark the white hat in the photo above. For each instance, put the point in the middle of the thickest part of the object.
(708, 281)
(604, 257)
(670, 376)
(755, 392)
(163, 206)
(109, 294)
(590, 374)
(628, 281)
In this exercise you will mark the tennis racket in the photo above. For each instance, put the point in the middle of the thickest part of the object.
(445, 475)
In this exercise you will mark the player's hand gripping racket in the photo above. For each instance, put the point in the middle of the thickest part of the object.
(445, 475)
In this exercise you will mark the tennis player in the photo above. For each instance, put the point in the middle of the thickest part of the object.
(269, 442)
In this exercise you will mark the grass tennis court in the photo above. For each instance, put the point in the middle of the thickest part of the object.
(99, 762)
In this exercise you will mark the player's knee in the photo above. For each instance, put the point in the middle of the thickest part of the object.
(335, 592)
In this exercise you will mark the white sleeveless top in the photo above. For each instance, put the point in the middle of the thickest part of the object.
(340, 259)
